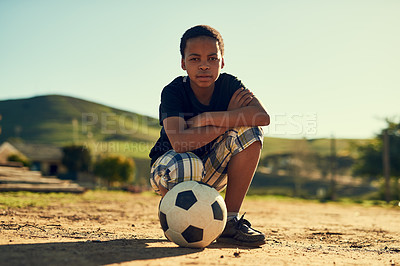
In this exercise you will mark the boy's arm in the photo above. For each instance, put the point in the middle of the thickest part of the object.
(244, 110)
(185, 139)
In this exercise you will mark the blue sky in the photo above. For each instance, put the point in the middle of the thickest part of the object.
(319, 67)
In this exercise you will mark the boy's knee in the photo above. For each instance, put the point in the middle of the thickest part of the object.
(187, 167)
(255, 131)
(240, 138)
(257, 144)
(173, 168)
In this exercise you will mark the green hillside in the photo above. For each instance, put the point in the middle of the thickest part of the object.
(344, 147)
(60, 120)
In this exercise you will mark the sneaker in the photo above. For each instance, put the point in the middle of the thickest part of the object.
(239, 232)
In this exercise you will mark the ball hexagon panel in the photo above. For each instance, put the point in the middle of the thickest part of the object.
(178, 219)
(200, 214)
(187, 185)
(205, 193)
(176, 238)
(213, 230)
(168, 201)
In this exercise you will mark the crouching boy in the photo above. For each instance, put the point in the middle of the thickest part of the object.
(211, 131)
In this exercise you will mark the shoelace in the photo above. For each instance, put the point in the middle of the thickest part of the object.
(242, 222)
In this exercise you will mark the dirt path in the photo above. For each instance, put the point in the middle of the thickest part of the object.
(124, 229)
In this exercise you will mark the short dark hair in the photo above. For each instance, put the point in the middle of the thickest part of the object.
(198, 31)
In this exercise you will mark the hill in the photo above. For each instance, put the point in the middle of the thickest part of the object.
(60, 120)
(344, 147)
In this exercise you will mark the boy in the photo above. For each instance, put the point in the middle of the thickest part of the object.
(210, 131)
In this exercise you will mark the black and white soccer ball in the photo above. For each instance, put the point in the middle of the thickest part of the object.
(192, 214)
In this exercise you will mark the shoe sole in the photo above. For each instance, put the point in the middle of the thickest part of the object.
(229, 240)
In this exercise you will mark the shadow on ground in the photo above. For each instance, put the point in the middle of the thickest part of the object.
(88, 253)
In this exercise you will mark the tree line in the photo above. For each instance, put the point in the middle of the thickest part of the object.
(380, 160)
(114, 169)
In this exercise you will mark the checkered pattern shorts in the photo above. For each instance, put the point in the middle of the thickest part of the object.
(172, 168)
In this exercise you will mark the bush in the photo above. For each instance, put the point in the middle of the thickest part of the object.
(20, 159)
(115, 169)
(76, 158)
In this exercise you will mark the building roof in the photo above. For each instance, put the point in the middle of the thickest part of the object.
(6, 149)
(38, 152)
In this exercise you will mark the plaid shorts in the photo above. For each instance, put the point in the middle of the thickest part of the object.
(172, 168)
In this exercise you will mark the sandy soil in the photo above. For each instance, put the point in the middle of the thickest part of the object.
(125, 230)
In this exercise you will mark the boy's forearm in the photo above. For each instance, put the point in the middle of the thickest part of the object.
(194, 138)
(245, 116)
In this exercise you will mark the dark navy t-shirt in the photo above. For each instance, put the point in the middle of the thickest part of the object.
(178, 99)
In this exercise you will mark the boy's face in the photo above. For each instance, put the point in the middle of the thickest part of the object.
(203, 62)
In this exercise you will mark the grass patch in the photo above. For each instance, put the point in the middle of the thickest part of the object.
(30, 199)
(14, 200)
(370, 203)
(33, 199)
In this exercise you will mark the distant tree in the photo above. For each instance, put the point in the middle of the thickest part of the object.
(115, 169)
(322, 164)
(342, 164)
(370, 162)
(76, 159)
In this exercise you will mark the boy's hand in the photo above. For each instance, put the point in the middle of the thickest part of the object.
(205, 119)
(241, 98)
(197, 121)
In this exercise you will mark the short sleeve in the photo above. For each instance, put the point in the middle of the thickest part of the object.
(234, 85)
(228, 84)
(171, 102)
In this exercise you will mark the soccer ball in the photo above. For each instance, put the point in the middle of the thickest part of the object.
(192, 214)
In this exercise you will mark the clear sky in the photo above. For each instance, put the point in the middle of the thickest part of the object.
(320, 67)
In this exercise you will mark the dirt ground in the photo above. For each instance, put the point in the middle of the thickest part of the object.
(124, 229)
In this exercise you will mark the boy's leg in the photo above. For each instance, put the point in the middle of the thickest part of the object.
(172, 168)
(241, 169)
(228, 146)
(232, 163)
